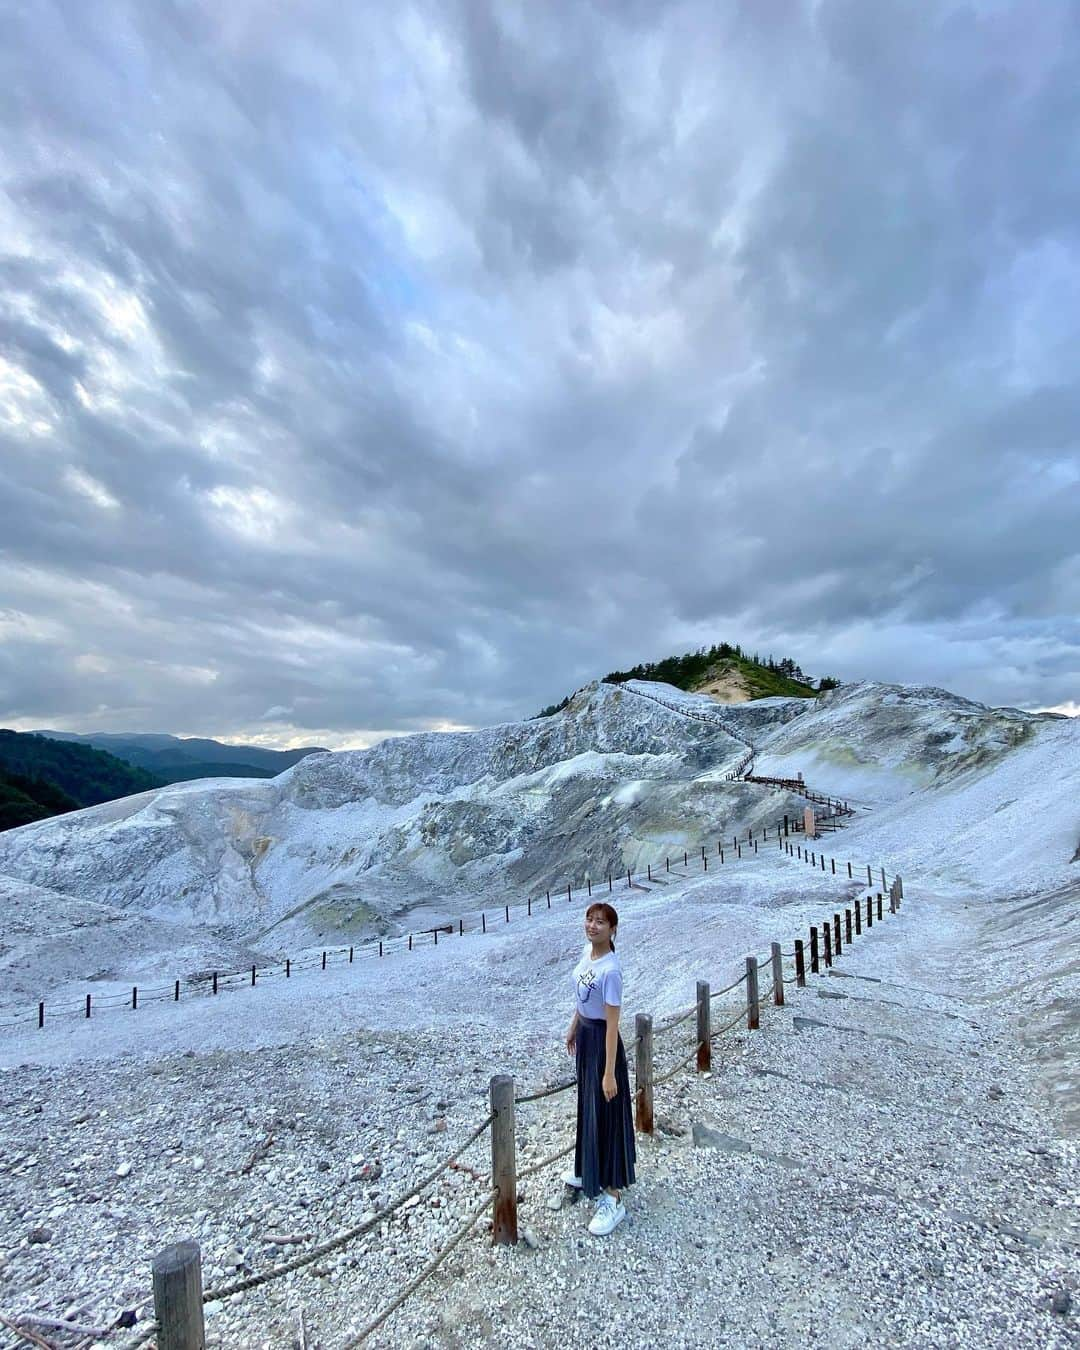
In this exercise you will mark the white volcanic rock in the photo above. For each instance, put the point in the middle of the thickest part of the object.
(881, 742)
(345, 845)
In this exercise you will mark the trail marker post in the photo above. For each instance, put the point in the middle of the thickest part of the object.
(752, 1012)
(704, 1038)
(643, 1075)
(503, 1161)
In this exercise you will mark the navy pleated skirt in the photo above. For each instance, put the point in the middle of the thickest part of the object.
(605, 1154)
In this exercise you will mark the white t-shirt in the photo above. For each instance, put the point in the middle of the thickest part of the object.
(597, 983)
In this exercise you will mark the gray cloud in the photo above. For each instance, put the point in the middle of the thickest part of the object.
(362, 376)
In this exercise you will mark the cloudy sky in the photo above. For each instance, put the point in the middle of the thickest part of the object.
(370, 368)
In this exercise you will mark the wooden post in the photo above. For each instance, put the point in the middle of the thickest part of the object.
(134, 996)
(252, 981)
(704, 1035)
(752, 1011)
(800, 965)
(461, 927)
(849, 871)
(838, 946)
(350, 956)
(609, 881)
(879, 904)
(883, 878)
(629, 883)
(288, 968)
(847, 926)
(410, 942)
(826, 933)
(869, 911)
(503, 1161)
(549, 899)
(643, 1075)
(869, 877)
(483, 927)
(435, 934)
(40, 1015)
(588, 884)
(568, 892)
(176, 990)
(815, 966)
(857, 908)
(833, 861)
(785, 827)
(215, 982)
(506, 910)
(777, 974)
(324, 960)
(178, 1297)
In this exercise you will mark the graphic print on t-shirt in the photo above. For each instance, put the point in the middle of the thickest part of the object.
(586, 983)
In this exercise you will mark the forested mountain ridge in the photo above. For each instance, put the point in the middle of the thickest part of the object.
(40, 777)
(177, 759)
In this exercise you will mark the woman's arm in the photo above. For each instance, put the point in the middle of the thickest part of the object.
(611, 1043)
(571, 1034)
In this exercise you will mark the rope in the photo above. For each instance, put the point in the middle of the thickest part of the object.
(727, 1026)
(716, 993)
(667, 1077)
(428, 1270)
(545, 1092)
(670, 1026)
(539, 1167)
(324, 1248)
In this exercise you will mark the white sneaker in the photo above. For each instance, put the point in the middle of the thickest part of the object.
(609, 1214)
(570, 1180)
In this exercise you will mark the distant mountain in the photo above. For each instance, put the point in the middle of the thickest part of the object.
(40, 777)
(725, 671)
(177, 759)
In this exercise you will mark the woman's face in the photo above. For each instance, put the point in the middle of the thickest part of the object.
(597, 928)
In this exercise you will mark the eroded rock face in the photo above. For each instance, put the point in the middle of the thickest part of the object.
(345, 842)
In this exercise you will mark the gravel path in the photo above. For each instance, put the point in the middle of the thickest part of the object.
(889, 1176)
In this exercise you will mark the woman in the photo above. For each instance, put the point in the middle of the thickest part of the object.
(604, 1154)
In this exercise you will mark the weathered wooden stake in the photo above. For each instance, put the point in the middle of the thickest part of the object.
(777, 974)
(483, 927)
(40, 1015)
(752, 1009)
(176, 988)
(833, 861)
(324, 960)
(826, 933)
(847, 926)
(214, 990)
(857, 910)
(588, 883)
(800, 964)
(350, 956)
(869, 876)
(528, 907)
(178, 1297)
(503, 1161)
(849, 871)
(838, 946)
(869, 911)
(815, 960)
(288, 968)
(643, 1075)
(704, 1035)
(883, 878)
(134, 996)
(879, 904)
(506, 910)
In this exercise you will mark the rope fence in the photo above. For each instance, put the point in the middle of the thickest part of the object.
(177, 1280)
(212, 982)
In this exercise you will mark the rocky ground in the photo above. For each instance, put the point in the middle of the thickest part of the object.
(876, 1165)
